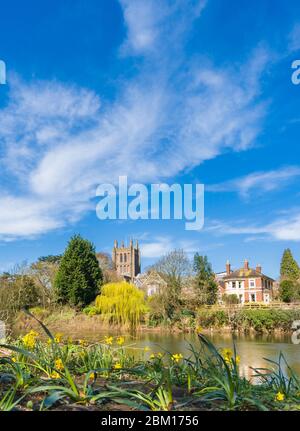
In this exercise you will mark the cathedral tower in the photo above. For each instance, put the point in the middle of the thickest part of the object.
(127, 260)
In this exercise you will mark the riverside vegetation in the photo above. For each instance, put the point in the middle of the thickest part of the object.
(59, 373)
(81, 288)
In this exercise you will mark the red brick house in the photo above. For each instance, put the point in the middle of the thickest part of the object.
(250, 285)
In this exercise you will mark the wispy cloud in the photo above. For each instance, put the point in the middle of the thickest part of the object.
(158, 246)
(58, 141)
(154, 28)
(283, 228)
(258, 182)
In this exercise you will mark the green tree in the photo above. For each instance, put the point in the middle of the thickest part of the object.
(287, 291)
(79, 276)
(205, 284)
(289, 268)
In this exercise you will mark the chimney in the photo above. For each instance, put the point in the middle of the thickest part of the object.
(246, 264)
(258, 268)
(227, 267)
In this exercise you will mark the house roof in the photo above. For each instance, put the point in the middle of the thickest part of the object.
(245, 273)
(149, 277)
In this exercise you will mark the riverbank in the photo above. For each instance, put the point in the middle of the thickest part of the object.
(68, 320)
(56, 373)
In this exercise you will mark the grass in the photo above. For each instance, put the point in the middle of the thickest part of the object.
(56, 372)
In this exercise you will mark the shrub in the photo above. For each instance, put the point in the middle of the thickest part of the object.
(90, 310)
(245, 319)
(17, 291)
(212, 318)
(287, 291)
(266, 320)
(231, 299)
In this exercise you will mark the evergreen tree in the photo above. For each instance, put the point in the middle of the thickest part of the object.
(289, 269)
(79, 276)
(205, 284)
(287, 291)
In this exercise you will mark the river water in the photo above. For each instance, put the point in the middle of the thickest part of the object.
(254, 350)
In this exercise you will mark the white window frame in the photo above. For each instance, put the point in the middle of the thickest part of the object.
(250, 281)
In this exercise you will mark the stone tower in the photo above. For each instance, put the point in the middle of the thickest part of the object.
(127, 260)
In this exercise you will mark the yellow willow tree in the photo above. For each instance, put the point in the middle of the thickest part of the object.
(121, 304)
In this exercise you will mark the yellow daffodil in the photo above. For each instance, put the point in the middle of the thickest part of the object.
(279, 396)
(227, 355)
(176, 357)
(120, 341)
(117, 366)
(108, 340)
(156, 355)
(14, 359)
(29, 340)
(147, 349)
(199, 329)
(237, 359)
(54, 375)
(58, 337)
(82, 343)
(59, 364)
(92, 376)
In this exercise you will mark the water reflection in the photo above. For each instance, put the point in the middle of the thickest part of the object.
(253, 349)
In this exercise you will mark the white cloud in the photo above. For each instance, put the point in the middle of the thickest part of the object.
(285, 228)
(158, 246)
(58, 142)
(161, 245)
(258, 182)
(152, 26)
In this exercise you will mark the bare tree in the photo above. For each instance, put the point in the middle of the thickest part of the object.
(174, 267)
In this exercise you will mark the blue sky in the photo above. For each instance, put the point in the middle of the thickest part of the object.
(184, 91)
